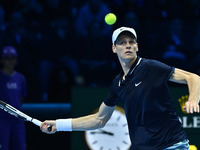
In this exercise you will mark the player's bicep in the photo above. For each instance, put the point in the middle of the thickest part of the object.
(180, 76)
(105, 112)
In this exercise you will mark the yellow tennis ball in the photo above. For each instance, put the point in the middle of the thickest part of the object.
(110, 18)
(193, 147)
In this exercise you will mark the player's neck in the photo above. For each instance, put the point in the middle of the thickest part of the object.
(126, 65)
(8, 71)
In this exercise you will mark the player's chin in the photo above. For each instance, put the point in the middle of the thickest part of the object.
(128, 57)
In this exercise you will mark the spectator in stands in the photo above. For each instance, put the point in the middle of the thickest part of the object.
(56, 43)
(13, 91)
(172, 56)
(16, 31)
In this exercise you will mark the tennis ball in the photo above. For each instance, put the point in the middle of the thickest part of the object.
(110, 18)
(193, 147)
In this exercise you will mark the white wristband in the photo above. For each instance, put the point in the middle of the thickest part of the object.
(64, 124)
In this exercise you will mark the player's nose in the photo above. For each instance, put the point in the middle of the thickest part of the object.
(128, 47)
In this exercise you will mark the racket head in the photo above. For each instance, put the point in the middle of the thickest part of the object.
(11, 110)
(2, 103)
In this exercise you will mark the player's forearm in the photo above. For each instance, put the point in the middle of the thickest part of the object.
(89, 122)
(193, 82)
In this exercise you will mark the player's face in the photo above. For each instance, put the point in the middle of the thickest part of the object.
(126, 48)
(9, 62)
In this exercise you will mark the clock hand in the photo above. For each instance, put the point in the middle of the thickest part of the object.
(106, 132)
(102, 132)
(111, 134)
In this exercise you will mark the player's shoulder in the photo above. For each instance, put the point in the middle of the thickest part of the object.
(152, 62)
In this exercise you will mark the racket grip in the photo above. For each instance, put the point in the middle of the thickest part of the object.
(49, 128)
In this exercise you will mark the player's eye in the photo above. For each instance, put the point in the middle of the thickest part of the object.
(132, 42)
(122, 43)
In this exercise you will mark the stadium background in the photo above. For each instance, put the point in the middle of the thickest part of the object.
(65, 47)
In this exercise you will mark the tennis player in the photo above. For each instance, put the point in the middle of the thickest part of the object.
(143, 89)
(13, 91)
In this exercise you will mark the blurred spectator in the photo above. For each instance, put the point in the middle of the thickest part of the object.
(173, 57)
(55, 43)
(175, 31)
(16, 31)
(92, 30)
(13, 91)
(173, 35)
(43, 32)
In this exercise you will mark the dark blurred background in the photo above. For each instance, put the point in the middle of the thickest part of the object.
(66, 43)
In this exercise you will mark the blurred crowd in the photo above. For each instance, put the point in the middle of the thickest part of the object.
(64, 43)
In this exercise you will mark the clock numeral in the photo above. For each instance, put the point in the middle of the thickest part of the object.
(126, 133)
(101, 148)
(94, 142)
(124, 125)
(124, 142)
(118, 148)
(118, 118)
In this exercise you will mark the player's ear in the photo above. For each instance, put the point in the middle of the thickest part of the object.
(113, 48)
(137, 47)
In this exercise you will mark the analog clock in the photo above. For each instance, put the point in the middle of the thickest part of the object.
(114, 136)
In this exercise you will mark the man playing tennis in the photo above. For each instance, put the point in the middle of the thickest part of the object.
(142, 88)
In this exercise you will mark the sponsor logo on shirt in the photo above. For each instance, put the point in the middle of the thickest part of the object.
(11, 85)
(136, 84)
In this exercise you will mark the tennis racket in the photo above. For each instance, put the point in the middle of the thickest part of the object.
(13, 111)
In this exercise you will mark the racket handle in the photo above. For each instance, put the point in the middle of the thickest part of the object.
(36, 122)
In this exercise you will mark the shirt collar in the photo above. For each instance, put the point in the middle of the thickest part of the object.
(137, 61)
(135, 64)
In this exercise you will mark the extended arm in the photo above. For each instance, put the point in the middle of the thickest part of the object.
(90, 122)
(193, 82)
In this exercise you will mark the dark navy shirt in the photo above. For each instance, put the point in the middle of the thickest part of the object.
(12, 89)
(152, 120)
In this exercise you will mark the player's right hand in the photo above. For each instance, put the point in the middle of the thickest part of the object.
(44, 126)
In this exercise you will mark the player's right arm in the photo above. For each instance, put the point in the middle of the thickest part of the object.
(90, 122)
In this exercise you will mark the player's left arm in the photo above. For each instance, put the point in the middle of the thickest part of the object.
(193, 82)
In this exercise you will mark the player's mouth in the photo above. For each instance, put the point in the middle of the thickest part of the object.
(128, 52)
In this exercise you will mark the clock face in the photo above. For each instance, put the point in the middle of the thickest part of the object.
(114, 136)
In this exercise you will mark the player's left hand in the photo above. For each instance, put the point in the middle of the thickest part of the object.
(191, 106)
(46, 124)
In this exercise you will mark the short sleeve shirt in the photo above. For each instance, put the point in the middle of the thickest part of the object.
(152, 120)
(13, 88)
